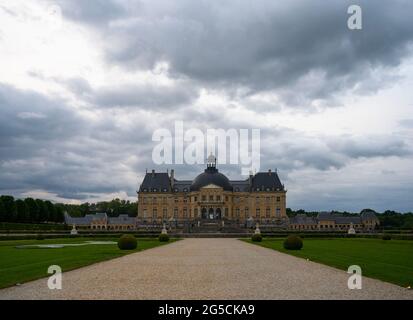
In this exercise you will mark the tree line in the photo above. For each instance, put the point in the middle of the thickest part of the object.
(29, 210)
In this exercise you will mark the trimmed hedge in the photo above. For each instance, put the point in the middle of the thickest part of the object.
(39, 237)
(163, 237)
(127, 242)
(256, 237)
(293, 242)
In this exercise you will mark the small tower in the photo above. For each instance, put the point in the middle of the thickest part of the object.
(211, 161)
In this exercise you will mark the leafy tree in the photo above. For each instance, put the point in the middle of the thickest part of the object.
(33, 209)
(43, 212)
(51, 211)
(22, 211)
(2, 211)
(59, 216)
(10, 208)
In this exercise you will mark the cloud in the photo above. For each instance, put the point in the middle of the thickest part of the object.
(301, 50)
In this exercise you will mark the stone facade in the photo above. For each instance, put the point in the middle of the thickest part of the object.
(212, 196)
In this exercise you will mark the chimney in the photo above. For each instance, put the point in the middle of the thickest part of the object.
(153, 172)
(172, 177)
(269, 172)
(250, 178)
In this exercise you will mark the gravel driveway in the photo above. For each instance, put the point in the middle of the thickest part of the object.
(207, 269)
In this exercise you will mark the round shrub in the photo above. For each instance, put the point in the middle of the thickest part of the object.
(39, 237)
(386, 237)
(127, 242)
(163, 237)
(256, 237)
(293, 243)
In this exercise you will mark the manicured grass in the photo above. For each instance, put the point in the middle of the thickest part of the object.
(390, 260)
(22, 265)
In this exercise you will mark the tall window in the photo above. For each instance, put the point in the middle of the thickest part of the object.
(278, 212)
(211, 198)
(237, 213)
(165, 213)
(257, 213)
(154, 213)
(267, 212)
(185, 213)
(176, 213)
(246, 213)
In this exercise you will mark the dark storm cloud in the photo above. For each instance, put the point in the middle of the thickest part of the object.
(45, 144)
(28, 114)
(295, 150)
(141, 96)
(261, 46)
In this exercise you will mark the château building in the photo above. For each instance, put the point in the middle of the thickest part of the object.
(328, 221)
(212, 196)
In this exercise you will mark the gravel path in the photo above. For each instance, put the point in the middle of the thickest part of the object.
(207, 269)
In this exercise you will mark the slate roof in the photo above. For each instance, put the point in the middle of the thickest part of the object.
(161, 182)
(211, 175)
(86, 220)
(156, 182)
(339, 219)
(303, 219)
(240, 186)
(182, 186)
(266, 181)
(122, 219)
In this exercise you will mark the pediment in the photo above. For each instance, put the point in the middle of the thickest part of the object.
(211, 186)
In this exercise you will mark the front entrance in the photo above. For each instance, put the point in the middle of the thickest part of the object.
(211, 213)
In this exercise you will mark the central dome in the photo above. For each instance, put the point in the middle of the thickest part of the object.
(211, 176)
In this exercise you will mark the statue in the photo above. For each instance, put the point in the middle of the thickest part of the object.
(257, 229)
(73, 231)
(351, 230)
(164, 229)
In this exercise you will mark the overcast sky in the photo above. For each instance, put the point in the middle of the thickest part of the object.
(81, 96)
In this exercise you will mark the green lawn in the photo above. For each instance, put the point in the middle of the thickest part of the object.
(22, 265)
(390, 261)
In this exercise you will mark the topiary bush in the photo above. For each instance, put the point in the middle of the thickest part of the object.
(127, 242)
(386, 237)
(293, 243)
(163, 237)
(256, 237)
